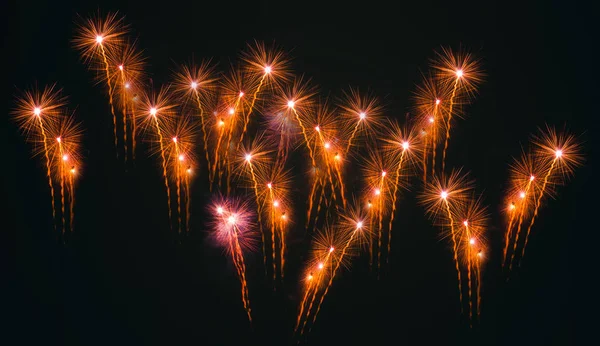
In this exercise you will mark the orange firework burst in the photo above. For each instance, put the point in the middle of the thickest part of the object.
(66, 161)
(232, 225)
(351, 232)
(128, 63)
(35, 113)
(442, 198)
(96, 38)
(557, 155)
(378, 177)
(473, 219)
(156, 111)
(181, 159)
(463, 72)
(431, 101)
(403, 145)
(197, 84)
(362, 114)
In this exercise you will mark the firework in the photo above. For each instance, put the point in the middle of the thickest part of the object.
(556, 156)
(442, 198)
(36, 112)
(232, 227)
(403, 145)
(96, 39)
(463, 72)
(196, 83)
(156, 112)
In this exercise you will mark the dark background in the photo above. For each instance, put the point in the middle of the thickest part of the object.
(122, 278)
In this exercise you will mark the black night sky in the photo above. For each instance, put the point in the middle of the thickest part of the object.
(124, 279)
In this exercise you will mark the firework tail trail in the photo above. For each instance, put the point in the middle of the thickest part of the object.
(245, 296)
(110, 96)
(521, 214)
(328, 165)
(469, 265)
(247, 117)
(320, 201)
(380, 221)
(433, 141)
(342, 188)
(203, 128)
(454, 244)
(187, 204)
(314, 293)
(178, 186)
(395, 198)
(312, 195)
(310, 198)
(425, 160)
(273, 234)
(214, 170)
(71, 202)
(124, 115)
(133, 129)
(478, 290)
(227, 154)
(302, 303)
(62, 185)
(164, 166)
(48, 172)
(508, 235)
(352, 137)
(259, 212)
(282, 247)
(537, 206)
(331, 277)
(448, 123)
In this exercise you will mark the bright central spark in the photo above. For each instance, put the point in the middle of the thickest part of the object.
(317, 128)
(99, 39)
(269, 185)
(362, 115)
(431, 120)
(276, 204)
(181, 157)
(248, 157)
(126, 85)
(459, 73)
(72, 170)
(65, 157)
(268, 69)
(153, 111)
(291, 104)
(472, 241)
(321, 265)
(231, 220)
(231, 111)
(359, 224)
(58, 139)
(383, 174)
(466, 223)
(377, 192)
(331, 249)
(194, 85)
(327, 145)
(437, 101)
(444, 194)
(559, 153)
(121, 67)
(241, 94)
(531, 178)
(522, 194)
(37, 111)
(405, 145)
(175, 139)
(219, 210)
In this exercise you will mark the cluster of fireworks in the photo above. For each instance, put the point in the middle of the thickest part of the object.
(249, 120)
(535, 175)
(46, 123)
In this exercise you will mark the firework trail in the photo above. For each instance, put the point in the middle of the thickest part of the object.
(524, 196)
(459, 74)
(46, 154)
(124, 85)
